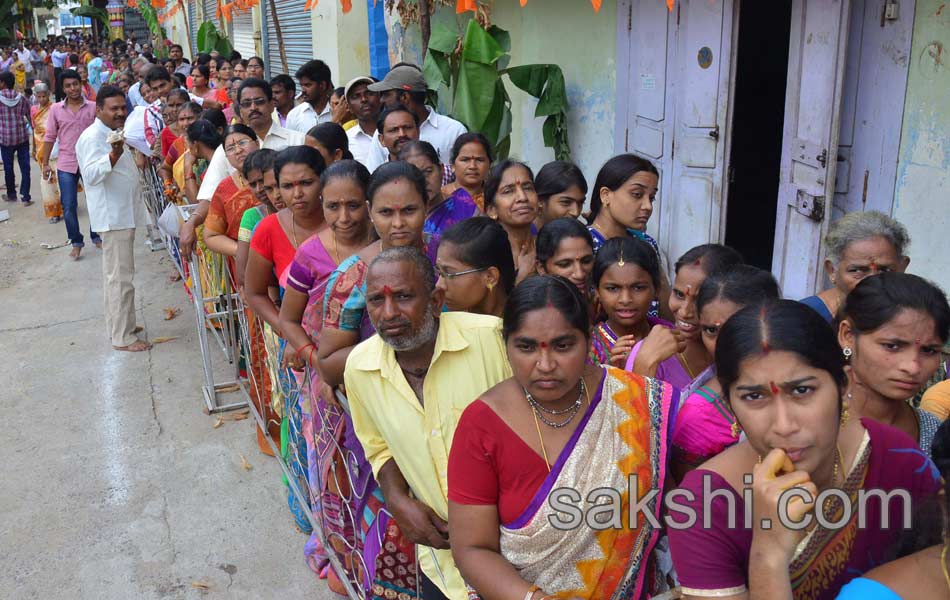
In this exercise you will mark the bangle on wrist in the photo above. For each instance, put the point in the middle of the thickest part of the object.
(529, 595)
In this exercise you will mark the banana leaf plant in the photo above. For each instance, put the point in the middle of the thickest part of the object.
(473, 66)
(150, 16)
(209, 38)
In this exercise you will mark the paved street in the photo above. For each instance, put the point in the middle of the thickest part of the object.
(115, 484)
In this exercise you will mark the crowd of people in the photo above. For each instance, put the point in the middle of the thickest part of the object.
(537, 405)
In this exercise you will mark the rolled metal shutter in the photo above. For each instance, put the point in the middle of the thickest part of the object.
(296, 30)
(242, 33)
(193, 23)
(209, 12)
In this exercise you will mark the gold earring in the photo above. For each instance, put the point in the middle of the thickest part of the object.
(846, 409)
(490, 285)
(736, 429)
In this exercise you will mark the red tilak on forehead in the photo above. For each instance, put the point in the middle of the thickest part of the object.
(397, 207)
(773, 387)
(873, 266)
(387, 291)
(544, 345)
(766, 348)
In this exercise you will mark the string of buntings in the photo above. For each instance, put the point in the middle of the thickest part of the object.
(471, 5)
(226, 9)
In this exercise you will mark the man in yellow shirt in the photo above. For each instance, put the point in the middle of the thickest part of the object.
(407, 387)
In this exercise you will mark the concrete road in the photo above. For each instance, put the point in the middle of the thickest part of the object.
(114, 482)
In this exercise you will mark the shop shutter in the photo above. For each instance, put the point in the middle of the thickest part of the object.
(242, 33)
(297, 33)
(193, 23)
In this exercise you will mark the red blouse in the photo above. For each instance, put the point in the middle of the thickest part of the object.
(491, 464)
(271, 242)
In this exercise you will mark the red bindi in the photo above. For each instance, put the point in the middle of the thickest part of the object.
(397, 207)
(544, 345)
(774, 388)
(387, 291)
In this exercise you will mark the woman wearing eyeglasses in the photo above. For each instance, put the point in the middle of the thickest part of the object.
(233, 195)
(475, 267)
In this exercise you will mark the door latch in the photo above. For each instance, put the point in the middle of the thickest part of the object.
(823, 158)
(810, 205)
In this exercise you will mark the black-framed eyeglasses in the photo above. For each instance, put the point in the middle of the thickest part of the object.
(443, 273)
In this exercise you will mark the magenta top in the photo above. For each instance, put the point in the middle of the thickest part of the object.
(670, 370)
(714, 560)
(66, 125)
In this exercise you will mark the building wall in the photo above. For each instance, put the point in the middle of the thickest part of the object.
(341, 40)
(564, 32)
(923, 174)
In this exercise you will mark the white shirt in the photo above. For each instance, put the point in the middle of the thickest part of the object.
(361, 144)
(59, 59)
(277, 138)
(304, 116)
(135, 96)
(438, 130)
(24, 56)
(111, 191)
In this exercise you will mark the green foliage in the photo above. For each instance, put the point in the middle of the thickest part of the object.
(473, 65)
(151, 20)
(209, 38)
(92, 12)
(9, 22)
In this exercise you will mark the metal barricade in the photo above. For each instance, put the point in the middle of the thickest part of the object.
(227, 330)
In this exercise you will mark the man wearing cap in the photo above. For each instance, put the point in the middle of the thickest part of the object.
(405, 85)
(364, 105)
(316, 86)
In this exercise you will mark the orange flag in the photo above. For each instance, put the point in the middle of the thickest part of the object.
(464, 5)
(596, 4)
(669, 5)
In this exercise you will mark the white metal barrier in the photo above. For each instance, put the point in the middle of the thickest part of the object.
(226, 332)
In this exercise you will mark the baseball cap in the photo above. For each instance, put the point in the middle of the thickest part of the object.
(349, 86)
(405, 78)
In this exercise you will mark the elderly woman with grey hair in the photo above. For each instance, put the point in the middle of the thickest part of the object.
(49, 187)
(858, 245)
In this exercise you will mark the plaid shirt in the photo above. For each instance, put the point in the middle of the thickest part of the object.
(13, 119)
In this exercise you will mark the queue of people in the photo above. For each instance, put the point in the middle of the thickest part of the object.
(535, 409)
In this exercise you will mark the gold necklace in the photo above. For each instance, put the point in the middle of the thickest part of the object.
(537, 426)
(943, 564)
(682, 357)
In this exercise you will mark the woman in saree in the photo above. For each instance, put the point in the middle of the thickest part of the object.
(675, 352)
(562, 190)
(259, 171)
(471, 160)
(177, 98)
(783, 375)
(301, 315)
(329, 139)
(474, 267)
(565, 248)
(511, 200)
(891, 329)
(273, 245)
(222, 81)
(705, 425)
(559, 422)
(396, 198)
(172, 169)
(857, 245)
(200, 80)
(441, 211)
(621, 204)
(626, 279)
(233, 196)
(924, 573)
(52, 207)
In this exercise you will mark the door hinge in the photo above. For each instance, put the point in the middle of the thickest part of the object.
(810, 205)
